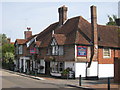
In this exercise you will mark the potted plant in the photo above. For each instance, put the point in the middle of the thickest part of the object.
(65, 73)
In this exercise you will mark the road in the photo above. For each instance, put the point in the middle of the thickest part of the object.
(10, 80)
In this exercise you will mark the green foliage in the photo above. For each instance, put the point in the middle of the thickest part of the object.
(3, 39)
(66, 71)
(111, 20)
(6, 52)
(7, 48)
(9, 57)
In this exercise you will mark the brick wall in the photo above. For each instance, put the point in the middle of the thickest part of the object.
(110, 60)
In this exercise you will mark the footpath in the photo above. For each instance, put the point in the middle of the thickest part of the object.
(101, 84)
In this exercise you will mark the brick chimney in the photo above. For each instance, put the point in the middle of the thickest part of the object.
(28, 33)
(62, 14)
(94, 32)
(94, 38)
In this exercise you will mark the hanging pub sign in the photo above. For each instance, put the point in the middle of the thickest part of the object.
(33, 50)
(81, 51)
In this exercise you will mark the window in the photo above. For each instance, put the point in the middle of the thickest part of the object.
(20, 49)
(106, 53)
(57, 67)
(16, 49)
(60, 50)
(55, 49)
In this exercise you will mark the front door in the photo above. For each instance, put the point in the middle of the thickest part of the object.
(47, 67)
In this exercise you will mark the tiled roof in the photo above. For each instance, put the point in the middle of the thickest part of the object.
(77, 30)
(45, 36)
(108, 36)
(21, 41)
(60, 38)
(11, 42)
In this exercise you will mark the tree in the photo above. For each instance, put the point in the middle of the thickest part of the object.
(111, 20)
(6, 51)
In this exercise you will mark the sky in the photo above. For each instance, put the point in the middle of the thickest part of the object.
(17, 16)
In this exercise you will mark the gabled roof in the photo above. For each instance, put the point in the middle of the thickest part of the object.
(20, 41)
(45, 36)
(60, 38)
(77, 30)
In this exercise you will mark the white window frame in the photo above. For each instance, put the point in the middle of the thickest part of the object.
(56, 67)
(104, 52)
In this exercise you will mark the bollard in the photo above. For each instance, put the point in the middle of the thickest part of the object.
(108, 83)
(79, 80)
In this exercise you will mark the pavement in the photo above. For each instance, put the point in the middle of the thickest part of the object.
(101, 84)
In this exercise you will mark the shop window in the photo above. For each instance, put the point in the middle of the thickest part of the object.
(57, 67)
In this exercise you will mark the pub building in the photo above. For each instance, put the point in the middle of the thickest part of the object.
(74, 44)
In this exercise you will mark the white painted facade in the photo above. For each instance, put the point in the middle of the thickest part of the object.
(80, 69)
(93, 70)
(42, 63)
(106, 70)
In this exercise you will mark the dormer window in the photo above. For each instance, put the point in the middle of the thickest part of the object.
(55, 49)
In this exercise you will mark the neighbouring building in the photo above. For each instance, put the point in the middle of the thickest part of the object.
(87, 49)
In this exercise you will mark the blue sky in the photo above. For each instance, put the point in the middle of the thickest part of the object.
(16, 16)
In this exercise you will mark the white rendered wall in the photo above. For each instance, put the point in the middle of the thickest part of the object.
(42, 63)
(80, 69)
(93, 70)
(106, 70)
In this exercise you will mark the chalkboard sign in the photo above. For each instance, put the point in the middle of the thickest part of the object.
(71, 75)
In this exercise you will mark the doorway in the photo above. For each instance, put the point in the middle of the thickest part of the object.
(47, 67)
